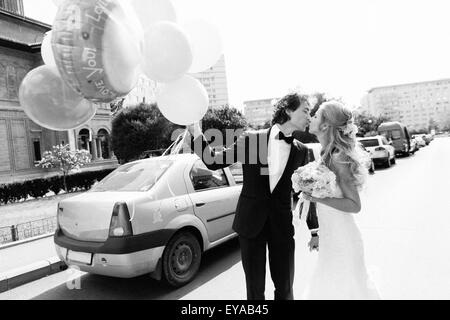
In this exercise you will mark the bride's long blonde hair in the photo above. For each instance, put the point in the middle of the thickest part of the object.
(342, 146)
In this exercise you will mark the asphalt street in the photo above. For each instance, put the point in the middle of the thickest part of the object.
(405, 224)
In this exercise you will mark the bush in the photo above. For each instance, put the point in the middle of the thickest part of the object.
(38, 188)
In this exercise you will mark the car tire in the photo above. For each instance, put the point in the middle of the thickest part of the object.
(388, 163)
(394, 161)
(181, 259)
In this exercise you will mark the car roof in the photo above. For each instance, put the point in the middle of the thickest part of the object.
(176, 157)
(370, 138)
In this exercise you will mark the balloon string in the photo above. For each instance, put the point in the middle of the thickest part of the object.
(176, 145)
(181, 142)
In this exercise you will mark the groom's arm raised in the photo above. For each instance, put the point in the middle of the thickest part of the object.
(215, 160)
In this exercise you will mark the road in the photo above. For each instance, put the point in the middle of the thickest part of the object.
(405, 223)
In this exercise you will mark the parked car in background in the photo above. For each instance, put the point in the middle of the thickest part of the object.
(414, 146)
(420, 138)
(155, 216)
(381, 151)
(371, 165)
(398, 134)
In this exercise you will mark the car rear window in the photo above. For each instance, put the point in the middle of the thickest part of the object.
(134, 177)
(396, 134)
(370, 143)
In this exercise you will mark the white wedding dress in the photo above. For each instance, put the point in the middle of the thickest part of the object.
(340, 273)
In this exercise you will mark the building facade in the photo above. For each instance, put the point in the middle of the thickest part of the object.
(216, 83)
(259, 112)
(214, 80)
(23, 142)
(417, 105)
(144, 92)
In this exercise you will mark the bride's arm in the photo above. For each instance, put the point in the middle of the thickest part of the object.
(351, 203)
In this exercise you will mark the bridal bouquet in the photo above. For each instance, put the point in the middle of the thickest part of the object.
(315, 179)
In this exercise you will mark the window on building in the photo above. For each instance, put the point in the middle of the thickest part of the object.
(37, 150)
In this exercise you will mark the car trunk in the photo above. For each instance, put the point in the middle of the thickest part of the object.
(87, 217)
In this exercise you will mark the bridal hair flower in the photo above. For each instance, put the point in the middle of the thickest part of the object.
(350, 129)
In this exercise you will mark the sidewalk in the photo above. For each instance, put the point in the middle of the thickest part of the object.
(26, 261)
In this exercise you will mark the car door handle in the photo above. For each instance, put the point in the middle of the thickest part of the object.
(199, 205)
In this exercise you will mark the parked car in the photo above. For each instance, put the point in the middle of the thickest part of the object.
(398, 134)
(380, 149)
(155, 216)
(420, 140)
(414, 146)
(371, 165)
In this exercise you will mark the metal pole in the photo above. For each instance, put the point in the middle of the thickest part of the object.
(14, 234)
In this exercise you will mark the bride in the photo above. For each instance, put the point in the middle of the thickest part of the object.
(341, 272)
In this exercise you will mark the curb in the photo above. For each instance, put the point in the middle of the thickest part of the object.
(23, 275)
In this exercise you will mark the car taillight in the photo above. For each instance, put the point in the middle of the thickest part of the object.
(380, 149)
(120, 221)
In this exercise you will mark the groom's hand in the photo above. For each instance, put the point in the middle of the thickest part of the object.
(314, 244)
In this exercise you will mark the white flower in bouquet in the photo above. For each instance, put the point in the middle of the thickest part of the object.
(315, 179)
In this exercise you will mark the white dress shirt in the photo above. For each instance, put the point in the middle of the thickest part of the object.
(278, 157)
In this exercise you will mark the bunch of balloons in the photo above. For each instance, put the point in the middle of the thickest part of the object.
(98, 49)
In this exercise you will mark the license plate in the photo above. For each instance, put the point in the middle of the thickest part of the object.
(80, 257)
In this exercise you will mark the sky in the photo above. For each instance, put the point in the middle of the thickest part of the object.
(343, 48)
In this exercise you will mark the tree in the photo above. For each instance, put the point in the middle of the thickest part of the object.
(139, 129)
(446, 124)
(433, 125)
(368, 124)
(223, 118)
(66, 160)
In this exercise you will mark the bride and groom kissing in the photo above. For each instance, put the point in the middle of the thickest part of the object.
(264, 217)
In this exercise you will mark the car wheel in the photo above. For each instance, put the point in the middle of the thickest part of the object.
(394, 160)
(181, 259)
(388, 163)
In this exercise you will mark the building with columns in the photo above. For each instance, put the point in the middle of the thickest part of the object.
(23, 142)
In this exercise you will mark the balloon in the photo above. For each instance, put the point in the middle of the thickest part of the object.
(167, 52)
(98, 48)
(50, 103)
(184, 101)
(150, 12)
(47, 51)
(206, 44)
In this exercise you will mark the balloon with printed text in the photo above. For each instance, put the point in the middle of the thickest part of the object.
(98, 47)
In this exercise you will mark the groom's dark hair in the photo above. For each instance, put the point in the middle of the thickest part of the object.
(291, 102)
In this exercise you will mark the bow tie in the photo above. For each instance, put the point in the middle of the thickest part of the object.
(288, 140)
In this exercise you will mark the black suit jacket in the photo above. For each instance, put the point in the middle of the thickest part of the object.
(257, 205)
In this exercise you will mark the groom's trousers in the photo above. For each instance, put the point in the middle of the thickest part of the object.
(281, 262)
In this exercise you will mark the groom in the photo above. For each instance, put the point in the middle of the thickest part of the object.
(264, 211)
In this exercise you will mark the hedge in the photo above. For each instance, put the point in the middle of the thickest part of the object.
(37, 188)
